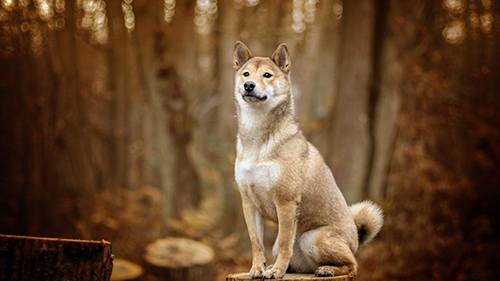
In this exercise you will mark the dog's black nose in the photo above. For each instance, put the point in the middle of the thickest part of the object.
(249, 86)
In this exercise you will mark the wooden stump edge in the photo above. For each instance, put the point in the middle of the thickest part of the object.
(177, 258)
(293, 277)
(124, 270)
(56, 259)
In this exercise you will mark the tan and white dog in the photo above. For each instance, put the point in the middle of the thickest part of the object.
(282, 177)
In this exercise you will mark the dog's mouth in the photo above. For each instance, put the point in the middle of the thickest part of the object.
(251, 97)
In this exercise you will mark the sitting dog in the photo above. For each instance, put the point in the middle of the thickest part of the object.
(282, 177)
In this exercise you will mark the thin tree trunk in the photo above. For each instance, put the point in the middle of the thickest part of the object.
(226, 123)
(316, 65)
(386, 101)
(119, 84)
(174, 65)
(350, 136)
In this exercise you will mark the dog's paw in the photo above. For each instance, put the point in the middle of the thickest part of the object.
(274, 273)
(324, 271)
(257, 272)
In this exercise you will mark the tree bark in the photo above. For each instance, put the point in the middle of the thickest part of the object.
(35, 258)
(178, 259)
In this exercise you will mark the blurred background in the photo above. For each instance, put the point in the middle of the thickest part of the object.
(118, 123)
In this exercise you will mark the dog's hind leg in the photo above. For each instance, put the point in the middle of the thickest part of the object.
(299, 262)
(333, 255)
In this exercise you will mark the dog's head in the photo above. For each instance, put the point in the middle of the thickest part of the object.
(260, 80)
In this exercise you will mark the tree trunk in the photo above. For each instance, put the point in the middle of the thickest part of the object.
(119, 84)
(386, 102)
(34, 258)
(350, 135)
(229, 20)
(180, 126)
(178, 259)
(177, 96)
(318, 58)
(308, 277)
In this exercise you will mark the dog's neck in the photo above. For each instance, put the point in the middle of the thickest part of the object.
(257, 124)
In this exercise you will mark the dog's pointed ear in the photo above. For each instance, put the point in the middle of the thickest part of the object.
(241, 55)
(281, 58)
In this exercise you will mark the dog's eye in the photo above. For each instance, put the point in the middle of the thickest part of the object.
(246, 74)
(268, 75)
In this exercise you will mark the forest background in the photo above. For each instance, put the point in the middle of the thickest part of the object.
(118, 122)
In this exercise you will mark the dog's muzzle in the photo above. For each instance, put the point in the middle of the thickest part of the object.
(249, 95)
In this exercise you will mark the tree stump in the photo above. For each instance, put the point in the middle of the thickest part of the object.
(124, 270)
(178, 259)
(35, 258)
(293, 276)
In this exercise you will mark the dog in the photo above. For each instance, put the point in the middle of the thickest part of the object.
(282, 177)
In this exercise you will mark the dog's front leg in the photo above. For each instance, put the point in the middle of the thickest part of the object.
(287, 228)
(255, 226)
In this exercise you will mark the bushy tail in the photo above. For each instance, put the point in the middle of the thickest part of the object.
(369, 219)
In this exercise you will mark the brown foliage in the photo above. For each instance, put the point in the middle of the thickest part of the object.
(443, 185)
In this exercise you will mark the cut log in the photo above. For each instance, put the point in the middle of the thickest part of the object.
(124, 270)
(178, 259)
(293, 276)
(35, 258)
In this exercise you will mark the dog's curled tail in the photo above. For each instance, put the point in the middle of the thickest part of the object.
(368, 218)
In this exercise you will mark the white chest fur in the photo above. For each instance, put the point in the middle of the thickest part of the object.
(257, 180)
(254, 176)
